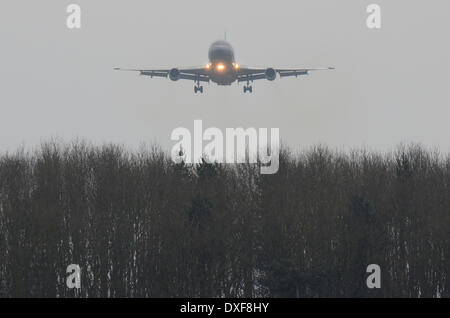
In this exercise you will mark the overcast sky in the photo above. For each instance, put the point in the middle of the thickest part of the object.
(390, 85)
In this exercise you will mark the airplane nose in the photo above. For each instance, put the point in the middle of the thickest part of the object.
(220, 67)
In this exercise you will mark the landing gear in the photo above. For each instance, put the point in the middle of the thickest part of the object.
(248, 87)
(198, 88)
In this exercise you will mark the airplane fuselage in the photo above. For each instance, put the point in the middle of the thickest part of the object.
(222, 68)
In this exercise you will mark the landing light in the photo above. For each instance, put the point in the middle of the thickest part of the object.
(220, 67)
(236, 66)
(208, 66)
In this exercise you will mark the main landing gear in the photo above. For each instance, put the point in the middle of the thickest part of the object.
(248, 87)
(198, 87)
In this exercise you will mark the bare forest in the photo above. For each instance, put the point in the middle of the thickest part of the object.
(140, 225)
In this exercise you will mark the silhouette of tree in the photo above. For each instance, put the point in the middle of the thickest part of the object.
(140, 225)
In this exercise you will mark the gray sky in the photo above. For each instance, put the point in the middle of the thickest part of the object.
(390, 85)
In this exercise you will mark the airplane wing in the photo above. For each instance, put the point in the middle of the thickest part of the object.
(194, 74)
(251, 74)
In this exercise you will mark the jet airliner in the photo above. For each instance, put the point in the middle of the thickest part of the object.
(222, 69)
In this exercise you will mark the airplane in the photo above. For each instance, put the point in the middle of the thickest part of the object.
(222, 69)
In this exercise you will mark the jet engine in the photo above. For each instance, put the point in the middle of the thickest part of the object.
(174, 74)
(271, 74)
